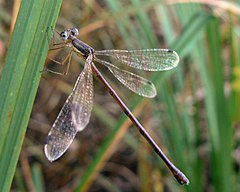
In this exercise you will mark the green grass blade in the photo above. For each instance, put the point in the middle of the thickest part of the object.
(37, 178)
(20, 79)
(222, 159)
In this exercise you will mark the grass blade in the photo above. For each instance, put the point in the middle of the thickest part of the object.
(20, 79)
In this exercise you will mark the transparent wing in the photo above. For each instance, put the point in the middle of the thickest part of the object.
(147, 59)
(73, 117)
(132, 81)
(83, 97)
(61, 134)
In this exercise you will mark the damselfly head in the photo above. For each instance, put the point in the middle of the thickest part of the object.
(64, 35)
(70, 33)
(74, 31)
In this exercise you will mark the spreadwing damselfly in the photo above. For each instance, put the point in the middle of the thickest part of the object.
(75, 113)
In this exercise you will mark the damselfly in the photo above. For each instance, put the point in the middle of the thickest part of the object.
(75, 114)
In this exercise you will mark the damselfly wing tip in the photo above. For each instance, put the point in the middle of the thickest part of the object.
(54, 148)
(50, 151)
(150, 90)
(52, 154)
(47, 153)
(168, 59)
(177, 59)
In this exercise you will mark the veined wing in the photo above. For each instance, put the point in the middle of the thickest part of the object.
(83, 96)
(132, 81)
(73, 117)
(146, 59)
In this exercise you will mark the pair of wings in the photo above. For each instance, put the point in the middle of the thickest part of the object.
(75, 114)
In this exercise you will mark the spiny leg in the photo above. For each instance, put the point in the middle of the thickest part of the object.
(67, 61)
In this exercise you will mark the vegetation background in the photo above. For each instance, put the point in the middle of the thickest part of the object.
(195, 117)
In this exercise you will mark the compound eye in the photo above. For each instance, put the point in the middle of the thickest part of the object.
(64, 35)
(74, 31)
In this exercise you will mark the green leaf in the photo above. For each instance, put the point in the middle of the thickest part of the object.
(20, 79)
